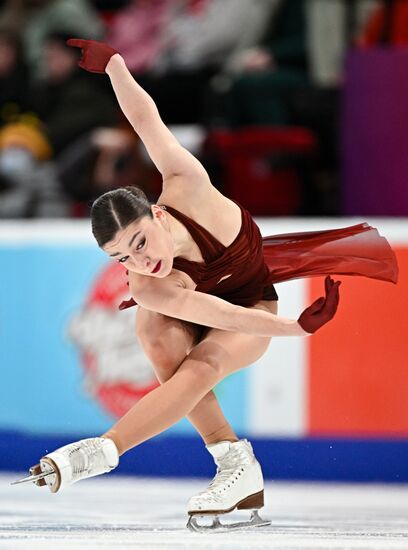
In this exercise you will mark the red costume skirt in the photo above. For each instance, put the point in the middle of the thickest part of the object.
(355, 250)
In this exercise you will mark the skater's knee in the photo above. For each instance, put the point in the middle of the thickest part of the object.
(163, 360)
(149, 332)
(156, 350)
(164, 371)
(165, 341)
(156, 346)
(211, 360)
(149, 325)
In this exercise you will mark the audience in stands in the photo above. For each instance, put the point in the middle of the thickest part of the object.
(174, 47)
(65, 105)
(216, 63)
(36, 19)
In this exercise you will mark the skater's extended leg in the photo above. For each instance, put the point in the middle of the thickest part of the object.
(167, 342)
(219, 354)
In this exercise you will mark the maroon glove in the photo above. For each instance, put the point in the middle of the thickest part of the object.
(95, 55)
(323, 309)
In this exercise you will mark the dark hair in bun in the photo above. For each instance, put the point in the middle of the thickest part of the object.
(115, 210)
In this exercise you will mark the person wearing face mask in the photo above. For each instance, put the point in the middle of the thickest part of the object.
(203, 277)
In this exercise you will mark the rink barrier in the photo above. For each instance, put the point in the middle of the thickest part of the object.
(307, 459)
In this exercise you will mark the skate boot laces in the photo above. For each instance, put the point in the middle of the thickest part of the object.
(229, 469)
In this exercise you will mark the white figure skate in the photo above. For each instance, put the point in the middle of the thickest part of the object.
(68, 464)
(237, 485)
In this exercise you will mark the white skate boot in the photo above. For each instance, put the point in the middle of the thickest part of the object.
(79, 460)
(238, 484)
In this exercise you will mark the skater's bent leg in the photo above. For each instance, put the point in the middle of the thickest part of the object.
(219, 354)
(167, 342)
(170, 402)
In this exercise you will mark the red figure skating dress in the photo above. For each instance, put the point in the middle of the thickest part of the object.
(244, 272)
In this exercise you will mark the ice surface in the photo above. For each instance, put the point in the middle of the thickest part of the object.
(113, 512)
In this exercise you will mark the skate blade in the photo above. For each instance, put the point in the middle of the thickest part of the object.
(36, 476)
(216, 526)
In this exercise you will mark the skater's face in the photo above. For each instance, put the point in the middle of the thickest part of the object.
(145, 246)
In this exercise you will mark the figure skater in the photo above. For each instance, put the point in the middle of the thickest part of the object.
(203, 277)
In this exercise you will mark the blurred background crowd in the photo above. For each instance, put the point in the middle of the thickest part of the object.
(254, 88)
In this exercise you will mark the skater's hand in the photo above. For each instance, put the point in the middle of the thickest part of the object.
(323, 309)
(95, 55)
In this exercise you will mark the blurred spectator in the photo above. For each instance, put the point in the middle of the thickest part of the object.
(30, 184)
(66, 104)
(184, 35)
(36, 19)
(175, 46)
(13, 83)
(206, 33)
(137, 33)
(332, 27)
(68, 100)
(13, 77)
(254, 89)
(105, 158)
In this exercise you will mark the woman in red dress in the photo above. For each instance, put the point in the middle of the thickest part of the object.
(203, 277)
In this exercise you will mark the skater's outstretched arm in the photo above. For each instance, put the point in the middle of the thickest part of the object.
(167, 297)
(170, 158)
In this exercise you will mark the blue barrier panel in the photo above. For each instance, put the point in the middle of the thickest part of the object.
(306, 459)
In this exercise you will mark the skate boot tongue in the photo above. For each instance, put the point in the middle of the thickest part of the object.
(218, 450)
(227, 454)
